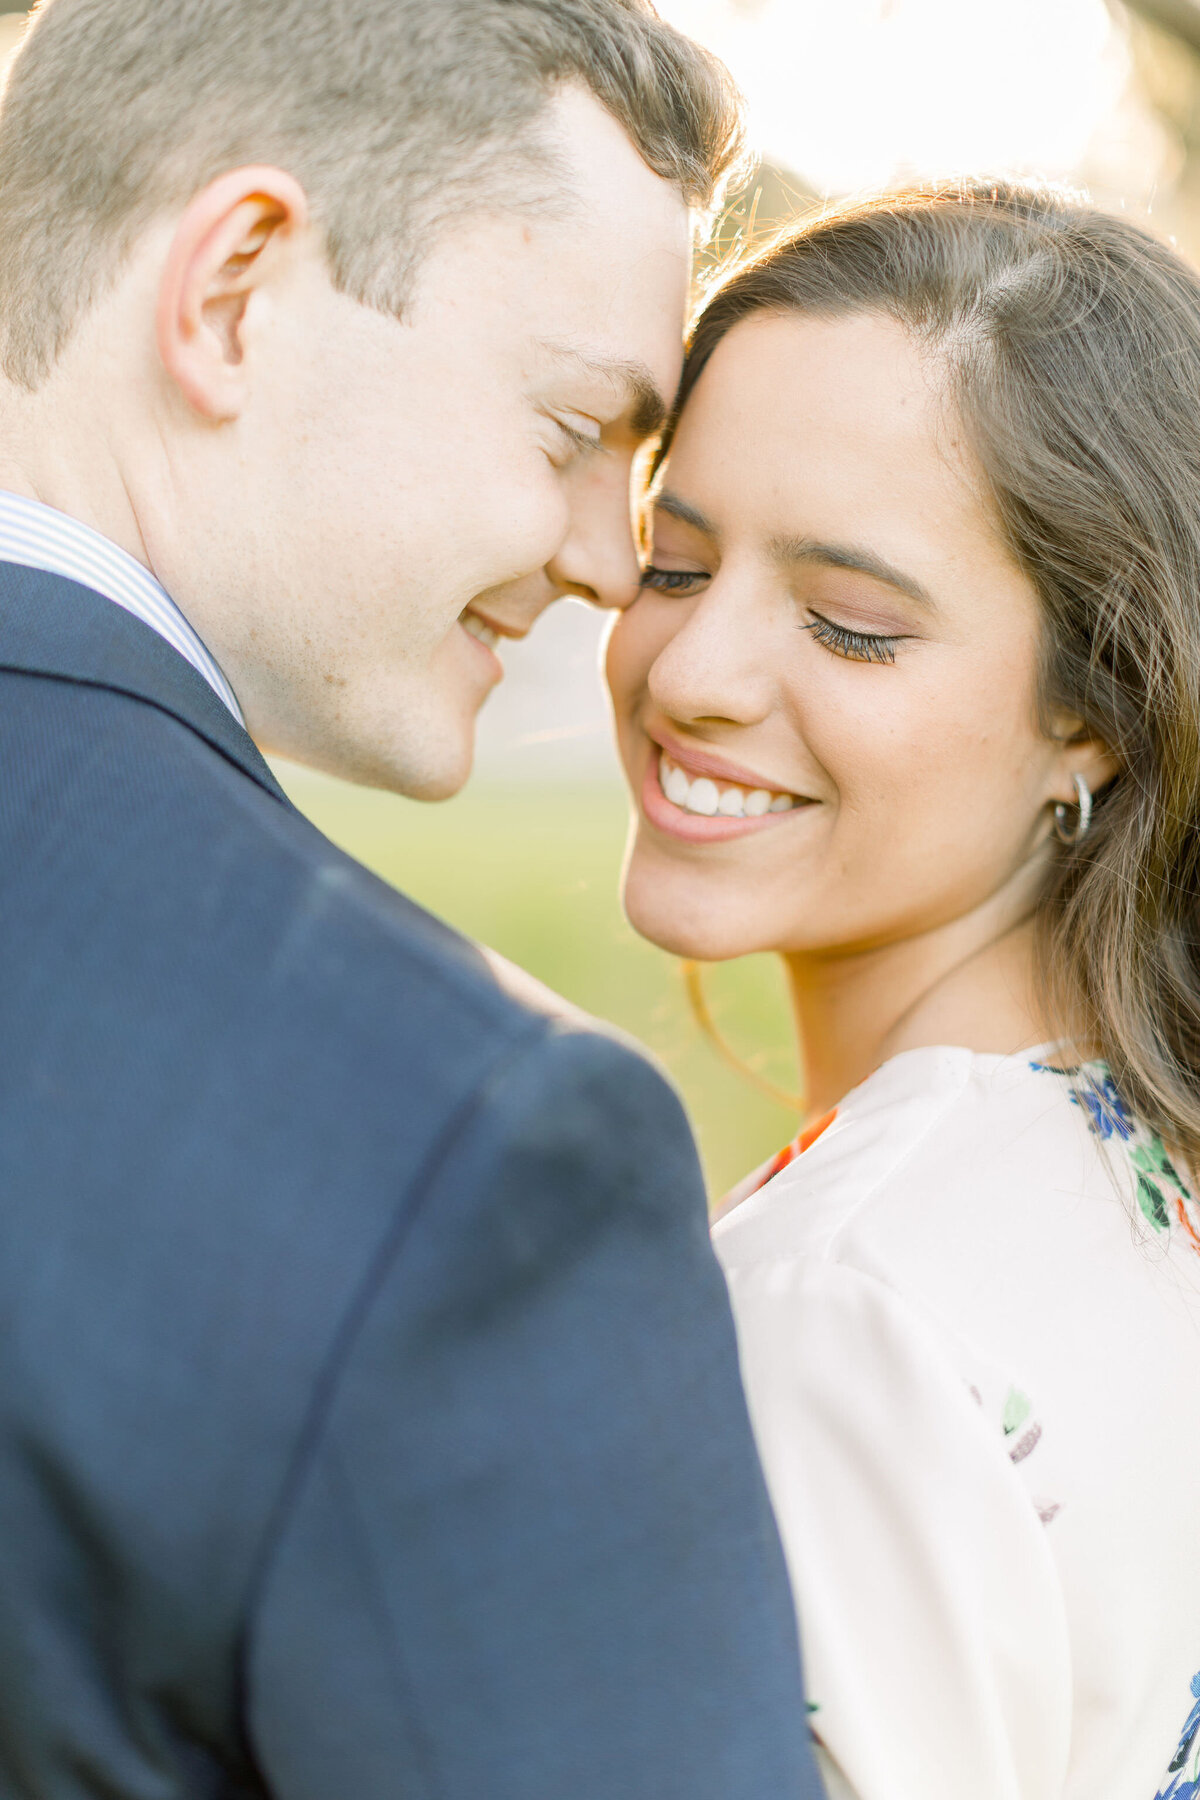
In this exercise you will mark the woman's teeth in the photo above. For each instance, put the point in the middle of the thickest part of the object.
(710, 800)
(478, 629)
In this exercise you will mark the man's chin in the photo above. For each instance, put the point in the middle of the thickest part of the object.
(434, 769)
(443, 785)
(431, 776)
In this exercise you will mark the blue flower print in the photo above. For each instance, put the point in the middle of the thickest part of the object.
(1182, 1783)
(1104, 1106)
(1163, 1196)
(1107, 1114)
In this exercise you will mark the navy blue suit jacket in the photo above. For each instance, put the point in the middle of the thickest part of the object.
(369, 1414)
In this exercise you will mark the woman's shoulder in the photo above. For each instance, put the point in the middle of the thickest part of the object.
(948, 1159)
(879, 1138)
(969, 1320)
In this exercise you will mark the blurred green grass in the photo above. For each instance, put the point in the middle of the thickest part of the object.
(532, 870)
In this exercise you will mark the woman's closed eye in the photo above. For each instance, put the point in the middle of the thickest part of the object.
(855, 646)
(683, 582)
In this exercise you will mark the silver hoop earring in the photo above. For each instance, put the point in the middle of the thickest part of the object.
(1066, 831)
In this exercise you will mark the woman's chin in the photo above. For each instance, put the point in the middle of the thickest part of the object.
(680, 924)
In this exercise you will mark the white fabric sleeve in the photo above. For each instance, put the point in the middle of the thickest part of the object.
(935, 1637)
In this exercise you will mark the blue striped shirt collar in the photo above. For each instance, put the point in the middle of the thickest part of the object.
(39, 537)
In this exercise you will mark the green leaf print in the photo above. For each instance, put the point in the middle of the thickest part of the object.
(1162, 1194)
(1017, 1407)
(1151, 1158)
(1152, 1203)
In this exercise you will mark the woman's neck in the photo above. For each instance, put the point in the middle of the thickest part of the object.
(971, 983)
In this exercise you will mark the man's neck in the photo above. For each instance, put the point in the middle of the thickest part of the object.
(52, 451)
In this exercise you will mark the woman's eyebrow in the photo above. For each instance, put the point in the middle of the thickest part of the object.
(789, 551)
(675, 508)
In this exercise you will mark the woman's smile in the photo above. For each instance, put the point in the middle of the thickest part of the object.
(699, 798)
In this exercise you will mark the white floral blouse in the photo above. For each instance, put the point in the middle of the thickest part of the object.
(969, 1318)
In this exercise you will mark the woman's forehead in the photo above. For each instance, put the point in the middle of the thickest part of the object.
(789, 376)
(835, 431)
(794, 411)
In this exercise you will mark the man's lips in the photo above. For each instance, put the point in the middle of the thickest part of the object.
(488, 633)
(488, 630)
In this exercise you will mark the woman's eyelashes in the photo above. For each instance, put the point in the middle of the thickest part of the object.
(855, 646)
(672, 581)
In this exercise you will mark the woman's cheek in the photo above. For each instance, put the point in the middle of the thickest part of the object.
(899, 726)
(637, 638)
(869, 743)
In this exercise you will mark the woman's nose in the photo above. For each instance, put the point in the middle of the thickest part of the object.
(722, 663)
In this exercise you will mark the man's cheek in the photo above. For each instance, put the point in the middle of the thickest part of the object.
(521, 509)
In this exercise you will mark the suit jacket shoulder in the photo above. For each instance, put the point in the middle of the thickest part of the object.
(259, 1117)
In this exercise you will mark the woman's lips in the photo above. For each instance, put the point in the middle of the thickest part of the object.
(705, 811)
(697, 761)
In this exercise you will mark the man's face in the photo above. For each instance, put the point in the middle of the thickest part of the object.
(402, 491)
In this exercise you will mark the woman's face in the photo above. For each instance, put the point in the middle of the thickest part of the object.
(826, 691)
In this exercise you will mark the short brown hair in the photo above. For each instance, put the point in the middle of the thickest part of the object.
(1070, 342)
(395, 115)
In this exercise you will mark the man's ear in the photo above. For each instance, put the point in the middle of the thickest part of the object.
(225, 246)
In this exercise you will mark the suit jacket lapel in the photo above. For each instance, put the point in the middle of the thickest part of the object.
(52, 626)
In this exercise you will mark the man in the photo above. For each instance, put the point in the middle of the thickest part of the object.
(370, 1418)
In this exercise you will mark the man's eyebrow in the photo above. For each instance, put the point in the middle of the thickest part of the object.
(788, 551)
(646, 408)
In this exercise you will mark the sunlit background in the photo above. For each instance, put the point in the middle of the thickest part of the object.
(863, 93)
(843, 96)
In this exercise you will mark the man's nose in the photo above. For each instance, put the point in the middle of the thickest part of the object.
(598, 560)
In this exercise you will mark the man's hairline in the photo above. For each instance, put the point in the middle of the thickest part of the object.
(557, 200)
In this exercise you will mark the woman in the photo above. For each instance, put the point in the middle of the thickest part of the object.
(912, 696)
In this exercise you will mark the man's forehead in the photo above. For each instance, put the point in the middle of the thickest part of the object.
(631, 381)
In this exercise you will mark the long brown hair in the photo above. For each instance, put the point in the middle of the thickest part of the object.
(1070, 345)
